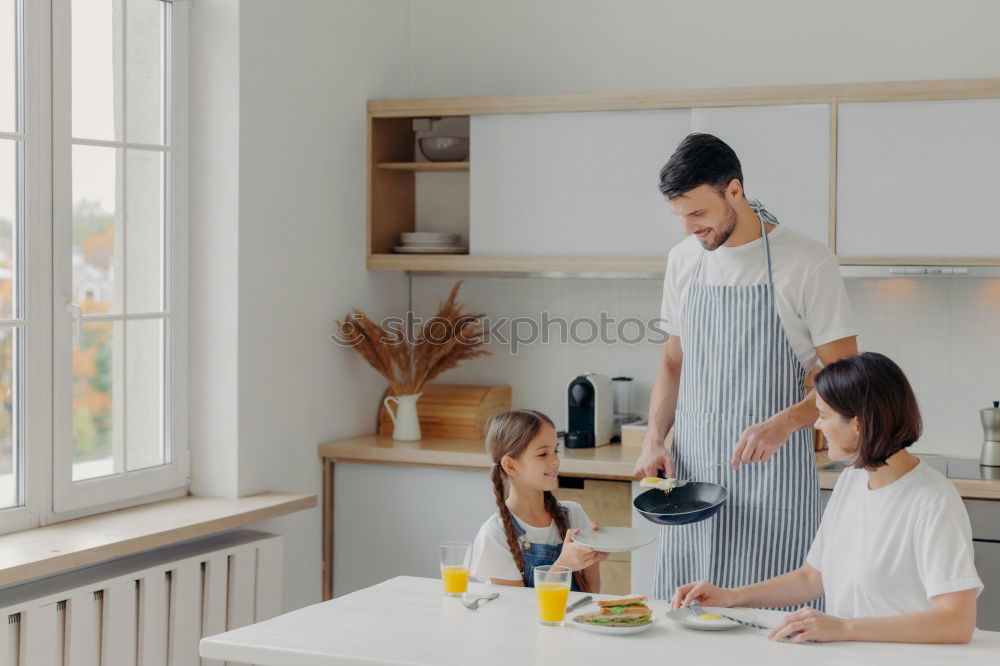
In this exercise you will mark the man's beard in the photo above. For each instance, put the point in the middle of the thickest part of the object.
(722, 235)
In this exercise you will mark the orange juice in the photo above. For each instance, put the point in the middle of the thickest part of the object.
(455, 578)
(552, 601)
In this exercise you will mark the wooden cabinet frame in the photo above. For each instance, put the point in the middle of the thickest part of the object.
(392, 165)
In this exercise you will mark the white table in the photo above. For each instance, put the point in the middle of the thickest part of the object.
(408, 621)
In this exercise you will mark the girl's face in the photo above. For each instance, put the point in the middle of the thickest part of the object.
(841, 434)
(537, 468)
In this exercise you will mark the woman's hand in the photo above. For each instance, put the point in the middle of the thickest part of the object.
(577, 556)
(809, 624)
(704, 593)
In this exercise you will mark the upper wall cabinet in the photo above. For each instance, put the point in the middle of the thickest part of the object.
(785, 154)
(580, 184)
(917, 179)
(891, 173)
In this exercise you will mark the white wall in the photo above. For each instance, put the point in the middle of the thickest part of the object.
(278, 245)
(941, 331)
(517, 47)
(306, 68)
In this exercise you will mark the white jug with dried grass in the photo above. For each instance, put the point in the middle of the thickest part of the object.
(410, 359)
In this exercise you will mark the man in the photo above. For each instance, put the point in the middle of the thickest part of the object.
(750, 307)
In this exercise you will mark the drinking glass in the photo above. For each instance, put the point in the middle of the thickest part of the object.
(455, 557)
(552, 585)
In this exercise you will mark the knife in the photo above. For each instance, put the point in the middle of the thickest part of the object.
(744, 622)
(579, 602)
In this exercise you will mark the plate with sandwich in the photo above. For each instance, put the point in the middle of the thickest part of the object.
(627, 615)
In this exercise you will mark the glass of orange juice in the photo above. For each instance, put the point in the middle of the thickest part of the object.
(552, 590)
(455, 567)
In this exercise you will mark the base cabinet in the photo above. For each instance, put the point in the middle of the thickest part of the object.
(608, 503)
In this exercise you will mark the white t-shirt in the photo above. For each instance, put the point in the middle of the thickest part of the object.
(888, 551)
(811, 298)
(491, 556)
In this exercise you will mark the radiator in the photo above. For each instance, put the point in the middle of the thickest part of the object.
(143, 610)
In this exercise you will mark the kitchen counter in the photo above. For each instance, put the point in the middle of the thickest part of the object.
(408, 620)
(603, 462)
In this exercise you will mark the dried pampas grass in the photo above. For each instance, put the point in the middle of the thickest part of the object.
(442, 342)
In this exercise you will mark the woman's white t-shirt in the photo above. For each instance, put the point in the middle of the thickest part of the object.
(810, 295)
(889, 551)
(491, 557)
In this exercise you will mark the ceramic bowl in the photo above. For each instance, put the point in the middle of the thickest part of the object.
(445, 148)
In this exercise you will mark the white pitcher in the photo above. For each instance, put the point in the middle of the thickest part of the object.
(405, 424)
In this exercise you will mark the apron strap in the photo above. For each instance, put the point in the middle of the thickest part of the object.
(764, 214)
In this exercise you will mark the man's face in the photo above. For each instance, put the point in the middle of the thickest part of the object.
(706, 213)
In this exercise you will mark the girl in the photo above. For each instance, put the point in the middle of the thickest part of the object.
(530, 528)
(894, 549)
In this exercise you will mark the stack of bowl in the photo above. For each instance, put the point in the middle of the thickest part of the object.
(431, 242)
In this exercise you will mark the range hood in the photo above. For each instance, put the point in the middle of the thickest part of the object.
(911, 271)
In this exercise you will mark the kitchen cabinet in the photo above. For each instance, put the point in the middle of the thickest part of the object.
(565, 185)
(643, 559)
(915, 179)
(608, 504)
(388, 520)
(984, 516)
(988, 566)
(785, 155)
(569, 183)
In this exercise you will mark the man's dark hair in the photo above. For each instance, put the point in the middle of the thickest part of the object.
(700, 159)
(872, 388)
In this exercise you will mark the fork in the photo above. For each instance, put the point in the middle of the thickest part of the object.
(696, 609)
(681, 484)
(474, 604)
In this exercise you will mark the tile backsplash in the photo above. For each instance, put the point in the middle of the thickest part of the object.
(943, 332)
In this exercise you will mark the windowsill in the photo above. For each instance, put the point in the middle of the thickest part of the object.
(53, 549)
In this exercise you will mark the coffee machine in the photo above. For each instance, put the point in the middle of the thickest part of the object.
(590, 411)
(990, 456)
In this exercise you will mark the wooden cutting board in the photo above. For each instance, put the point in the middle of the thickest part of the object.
(454, 410)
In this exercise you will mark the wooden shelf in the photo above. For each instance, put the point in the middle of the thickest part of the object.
(494, 265)
(424, 166)
(701, 97)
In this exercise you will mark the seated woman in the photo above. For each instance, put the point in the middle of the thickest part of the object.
(893, 553)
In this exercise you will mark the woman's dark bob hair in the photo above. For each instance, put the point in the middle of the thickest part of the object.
(871, 388)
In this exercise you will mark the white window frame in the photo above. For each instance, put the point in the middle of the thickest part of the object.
(69, 498)
(35, 274)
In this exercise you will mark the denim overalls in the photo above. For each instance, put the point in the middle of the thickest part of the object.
(537, 554)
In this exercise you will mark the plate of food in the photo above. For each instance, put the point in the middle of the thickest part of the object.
(627, 615)
(712, 619)
(614, 539)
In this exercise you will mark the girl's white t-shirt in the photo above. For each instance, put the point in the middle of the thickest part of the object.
(491, 557)
(889, 551)
(810, 294)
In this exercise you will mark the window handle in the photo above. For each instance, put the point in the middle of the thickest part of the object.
(77, 313)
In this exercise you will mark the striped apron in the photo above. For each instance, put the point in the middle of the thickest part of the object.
(739, 369)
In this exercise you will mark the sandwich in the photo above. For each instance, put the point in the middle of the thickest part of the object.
(624, 612)
(625, 606)
(623, 620)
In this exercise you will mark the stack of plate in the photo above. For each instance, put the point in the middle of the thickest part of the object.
(431, 242)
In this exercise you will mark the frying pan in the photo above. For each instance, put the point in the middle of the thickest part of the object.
(693, 502)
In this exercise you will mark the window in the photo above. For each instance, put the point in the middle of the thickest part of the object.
(92, 235)
(12, 149)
